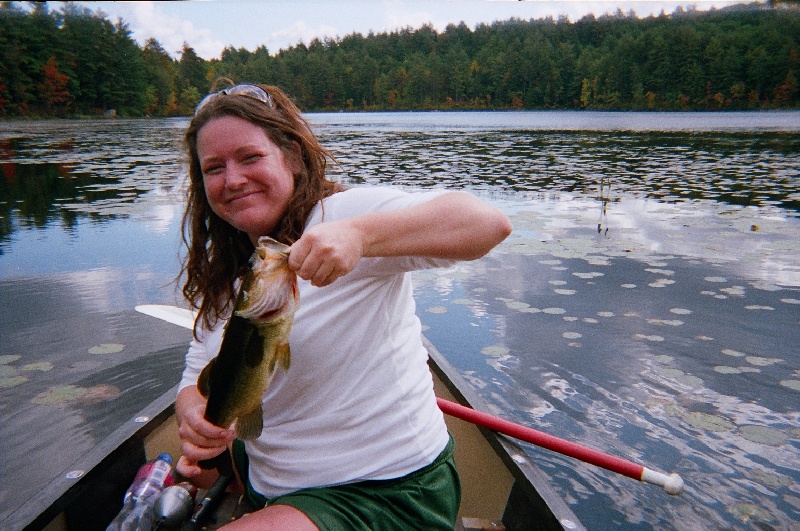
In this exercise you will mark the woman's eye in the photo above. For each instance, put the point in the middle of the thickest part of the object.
(210, 170)
(252, 158)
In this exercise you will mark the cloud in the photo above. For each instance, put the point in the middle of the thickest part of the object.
(300, 31)
(146, 20)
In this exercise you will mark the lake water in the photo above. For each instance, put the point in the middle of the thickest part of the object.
(647, 303)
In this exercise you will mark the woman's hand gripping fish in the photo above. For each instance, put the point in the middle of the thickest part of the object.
(256, 339)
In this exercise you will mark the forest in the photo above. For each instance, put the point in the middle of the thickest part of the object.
(74, 62)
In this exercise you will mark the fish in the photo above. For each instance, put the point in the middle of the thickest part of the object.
(254, 344)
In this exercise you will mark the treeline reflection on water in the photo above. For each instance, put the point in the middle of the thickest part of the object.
(58, 183)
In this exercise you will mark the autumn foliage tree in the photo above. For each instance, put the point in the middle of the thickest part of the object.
(76, 62)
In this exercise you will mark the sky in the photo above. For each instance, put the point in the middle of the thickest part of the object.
(211, 25)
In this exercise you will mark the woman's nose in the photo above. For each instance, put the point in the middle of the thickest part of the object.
(234, 177)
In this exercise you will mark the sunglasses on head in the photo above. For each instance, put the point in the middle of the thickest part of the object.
(251, 91)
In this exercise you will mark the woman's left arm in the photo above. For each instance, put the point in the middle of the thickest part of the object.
(455, 225)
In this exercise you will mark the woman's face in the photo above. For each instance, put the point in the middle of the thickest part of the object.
(248, 181)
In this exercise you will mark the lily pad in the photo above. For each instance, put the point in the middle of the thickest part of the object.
(8, 370)
(107, 348)
(100, 393)
(704, 421)
(724, 369)
(495, 350)
(762, 362)
(59, 395)
(763, 434)
(731, 352)
(437, 309)
(747, 511)
(791, 384)
(11, 381)
(43, 366)
(649, 338)
(9, 358)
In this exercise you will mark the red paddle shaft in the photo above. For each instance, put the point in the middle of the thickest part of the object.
(672, 483)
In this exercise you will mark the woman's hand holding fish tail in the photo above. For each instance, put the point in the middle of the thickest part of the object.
(200, 440)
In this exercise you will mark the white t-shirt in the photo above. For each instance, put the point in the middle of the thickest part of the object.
(357, 402)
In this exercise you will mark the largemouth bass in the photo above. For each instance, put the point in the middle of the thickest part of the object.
(255, 342)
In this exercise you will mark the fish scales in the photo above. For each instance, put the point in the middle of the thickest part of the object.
(254, 344)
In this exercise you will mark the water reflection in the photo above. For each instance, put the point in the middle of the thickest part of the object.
(754, 170)
(64, 172)
(647, 303)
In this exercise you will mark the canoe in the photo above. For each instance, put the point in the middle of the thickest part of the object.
(502, 486)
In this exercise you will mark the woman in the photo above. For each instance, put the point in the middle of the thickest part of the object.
(352, 435)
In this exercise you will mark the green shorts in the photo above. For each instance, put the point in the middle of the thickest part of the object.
(426, 499)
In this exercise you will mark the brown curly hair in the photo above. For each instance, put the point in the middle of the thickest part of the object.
(218, 254)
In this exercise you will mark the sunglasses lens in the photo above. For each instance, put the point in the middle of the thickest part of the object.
(251, 91)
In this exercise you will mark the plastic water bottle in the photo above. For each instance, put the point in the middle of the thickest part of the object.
(150, 480)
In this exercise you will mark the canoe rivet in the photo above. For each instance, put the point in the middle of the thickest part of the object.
(141, 420)
(519, 459)
(568, 524)
(74, 474)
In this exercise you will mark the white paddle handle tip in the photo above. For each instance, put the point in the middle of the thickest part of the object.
(672, 483)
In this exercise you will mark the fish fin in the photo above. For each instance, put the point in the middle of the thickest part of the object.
(204, 381)
(249, 425)
(282, 355)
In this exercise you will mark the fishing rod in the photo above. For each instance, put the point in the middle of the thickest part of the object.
(671, 483)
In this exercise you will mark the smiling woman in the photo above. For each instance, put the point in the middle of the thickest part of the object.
(331, 454)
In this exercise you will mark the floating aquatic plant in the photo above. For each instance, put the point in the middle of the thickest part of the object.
(763, 434)
(437, 309)
(707, 422)
(731, 352)
(107, 348)
(495, 350)
(791, 384)
(649, 338)
(12, 381)
(43, 366)
(748, 511)
(9, 358)
(59, 394)
(762, 362)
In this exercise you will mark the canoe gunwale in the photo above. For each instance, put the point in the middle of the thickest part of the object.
(60, 494)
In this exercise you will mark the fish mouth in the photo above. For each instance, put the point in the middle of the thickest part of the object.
(256, 313)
